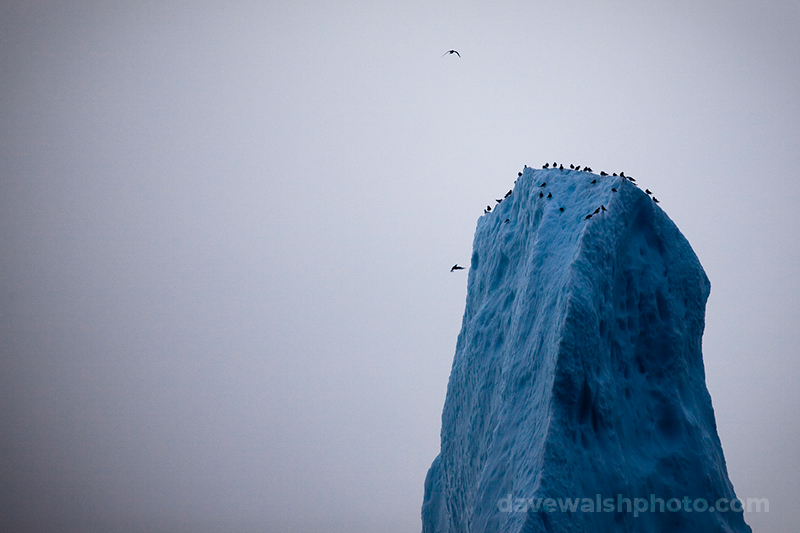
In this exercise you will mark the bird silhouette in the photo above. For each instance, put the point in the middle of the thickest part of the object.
(655, 199)
(549, 195)
(451, 52)
(456, 267)
(648, 191)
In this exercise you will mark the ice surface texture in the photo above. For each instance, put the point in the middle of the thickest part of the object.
(578, 369)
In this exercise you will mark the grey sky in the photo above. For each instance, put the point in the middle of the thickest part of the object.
(226, 234)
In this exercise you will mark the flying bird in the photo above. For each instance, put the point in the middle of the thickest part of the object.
(451, 52)
(456, 267)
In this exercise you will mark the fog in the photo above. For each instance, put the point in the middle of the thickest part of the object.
(226, 234)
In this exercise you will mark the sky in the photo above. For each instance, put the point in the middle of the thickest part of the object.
(226, 231)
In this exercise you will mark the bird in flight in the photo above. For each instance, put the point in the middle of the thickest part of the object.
(456, 267)
(451, 52)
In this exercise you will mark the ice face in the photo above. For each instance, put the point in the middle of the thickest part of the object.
(577, 393)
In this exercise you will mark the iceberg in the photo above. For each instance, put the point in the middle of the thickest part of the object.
(577, 398)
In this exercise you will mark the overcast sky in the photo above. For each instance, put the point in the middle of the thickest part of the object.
(226, 231)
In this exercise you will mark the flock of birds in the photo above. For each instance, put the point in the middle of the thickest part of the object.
(556, 166)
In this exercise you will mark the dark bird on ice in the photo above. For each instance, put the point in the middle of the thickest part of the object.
(508, 194)
(543, 184)
(596, 211)
(572, 166)
(655, 199)
(506, 221)
(594, 181)
(451, 52)
(549, 195)
(546, 165)
(588, 217)
(648, 191)
(603, 207)
(488, 209)
(519, 174)
(456, 267)
(603, 173)
(541, 194)
(561, 209)
(613, 189)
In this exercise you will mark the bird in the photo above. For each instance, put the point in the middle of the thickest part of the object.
(594, 181)
(613, 189)
(508, 194)
(629, 178)
(543, 184)
(549, 195)
(561, 209)
(622, 174)
(488, 209)
(587, 169)
(541, 194)
(588, 217)
(603, 173)
(451, 52)
(603, 207)
(498, 201)
(572, 166)
(506, 221)
(655, 199)
(560, 167)
(596, 211)
(648, 191)
(519, 174)
(456, 267)
(614, 174)
(546, 165)
(554, 164)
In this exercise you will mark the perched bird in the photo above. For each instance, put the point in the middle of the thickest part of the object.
(451, 52)
(541, 194)
(561, 209)
(543, 184)
(549, 195)
(506, 221)
(655, 199)
(519, 174)
(588, 217)
(456, 267)
(594, 181)
(629, 178)
(587, 169)
(603, 208)
(508, 194)
(603, 173)
(488, 209)
(648, 191)
(498, 201)
(613, 189)
(546, 165)
(554, 164)
(560, 167)
(622, 174)
(614, 174)
(572, 166)
(596, 211)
